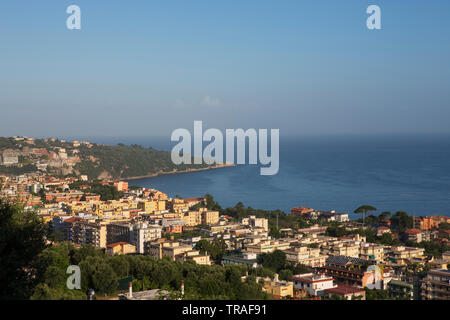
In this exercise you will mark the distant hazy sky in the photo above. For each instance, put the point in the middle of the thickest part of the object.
(148, 67)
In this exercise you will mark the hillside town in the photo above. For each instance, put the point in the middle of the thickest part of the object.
(120, 219)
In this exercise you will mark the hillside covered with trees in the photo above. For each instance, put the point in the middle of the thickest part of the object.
(63, 158)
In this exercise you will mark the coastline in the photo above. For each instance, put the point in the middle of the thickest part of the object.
(161, 173)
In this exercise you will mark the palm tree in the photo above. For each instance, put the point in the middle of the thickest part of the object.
(363, 209)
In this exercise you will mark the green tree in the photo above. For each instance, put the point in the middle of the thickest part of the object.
(401, 221)
(97, 274)
(216, 248)
(376, 294)
(22, 239)
(274, 261)
(364, 209)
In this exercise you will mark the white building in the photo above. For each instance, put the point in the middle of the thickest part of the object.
(313, 284)
(255, 222)
(142, 233)
(9, 157)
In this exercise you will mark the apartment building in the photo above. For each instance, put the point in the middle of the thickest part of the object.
(349, 249)
(401, 290)
(136, 234)
(81, 232)
(210, 217)
(346, 269)
(305, 255)
(120, 185)
(192, 218)
(371, 251)
(436, 285)
(194, 255)
(255, 222)
(414, 235)
(151, 206)
(267, 246)
(178, 205)
(158, 250)
(248, 258)
(144, 232)
(402, 255)
(201, 217)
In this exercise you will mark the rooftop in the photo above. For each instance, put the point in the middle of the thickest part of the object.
(344, 289)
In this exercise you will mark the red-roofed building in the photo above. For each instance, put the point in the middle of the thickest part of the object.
(193, 201)
(414, 235)
(301, 211)
(72, 220)
(347, 292)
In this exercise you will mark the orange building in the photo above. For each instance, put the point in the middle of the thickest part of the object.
(301, 211)
(176, 228)
(428, 223)
(121, 185)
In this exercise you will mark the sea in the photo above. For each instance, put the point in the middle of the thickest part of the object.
(390, 172)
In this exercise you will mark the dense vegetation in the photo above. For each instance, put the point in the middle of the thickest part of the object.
(216, 248)
(17, 170)
(101, 273)
(123, 161)
(22, 239)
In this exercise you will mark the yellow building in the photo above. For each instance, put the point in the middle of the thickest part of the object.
(404, 255)
(158, 250)
(306, 256)
(201, 217)
(151, 206)
(209, 217)
(194, 255)
(73, 208)
(120, 248)
(192, 218)
(279, 289)
(371, 251)
(178, 205)
(345, 249)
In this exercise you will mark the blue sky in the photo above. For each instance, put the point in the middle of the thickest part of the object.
(149, 67)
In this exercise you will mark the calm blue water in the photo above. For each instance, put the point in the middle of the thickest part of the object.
(340, 173)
